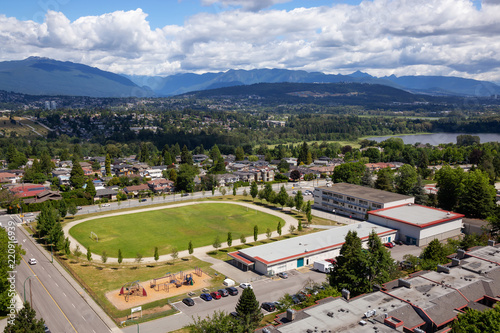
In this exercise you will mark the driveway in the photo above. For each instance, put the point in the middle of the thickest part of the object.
(398, 251)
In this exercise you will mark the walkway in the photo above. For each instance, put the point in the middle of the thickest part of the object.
(199, 252)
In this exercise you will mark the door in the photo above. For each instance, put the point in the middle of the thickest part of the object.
(300, 262)
(389, 239)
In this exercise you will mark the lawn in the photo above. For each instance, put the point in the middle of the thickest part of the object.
(171, 228)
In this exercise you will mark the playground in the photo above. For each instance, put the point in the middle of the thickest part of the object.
(136, 293)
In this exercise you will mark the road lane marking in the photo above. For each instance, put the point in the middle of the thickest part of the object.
(56, 284)
(73, 305)
(64, 294)
(50, 295)
(84, 318)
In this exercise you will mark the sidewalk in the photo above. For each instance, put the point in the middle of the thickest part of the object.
(197, 251)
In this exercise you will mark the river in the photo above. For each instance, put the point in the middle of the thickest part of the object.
(437, 138)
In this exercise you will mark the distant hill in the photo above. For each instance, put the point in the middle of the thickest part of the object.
(42, 76)
(432, 85)
(313, 93)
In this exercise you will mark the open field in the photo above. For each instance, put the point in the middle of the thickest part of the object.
(6, 127)
(170, 228)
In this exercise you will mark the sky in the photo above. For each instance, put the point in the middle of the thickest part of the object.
(166, 37)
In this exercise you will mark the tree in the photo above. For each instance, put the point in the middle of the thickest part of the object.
(349, 173)
(254, 190)
(299, 200)
(229, 239)
(477, 196)
(235, 188)
(243, 239)
(434, 252)
(248, 310)
(268, 233)
(67, 249)
(239, 154)
(72, 209)
(138, 257)
(308, 212)
(63, 208)
(351, 268)
(172, 175)
(245, 193)
(385, 180)
(268, 189)
(283, 166)
(291, 229)
(278, 228)
(255, 233)
(299, 226)
(474, 321)
(120, 256)
(156, 255)
(282, 197)
(174, 254)
(25, 321)
(304, 156)
(448, 182)
(90, 190)
(107, 165)
(185, 178)
(220, 322)
(104, 257)
(186, 157)
(46, 220)
(418, 191)
(217, 243)
(190, 247)
(77, 253)
(89, 255)
(77, 176)
(214, 154)
(381, 263)
(406, 179)
(295, 175)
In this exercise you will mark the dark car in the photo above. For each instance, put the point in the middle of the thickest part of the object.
(268, 306)
(46, 329)
(143, 200)
(215, 295)
(399, 242)
(206, 297)
(185, 194)
(283, 275)
(295, 299)
(223, 292)
(301, 297)
(232, 291)
(188, 301)
(234, 314)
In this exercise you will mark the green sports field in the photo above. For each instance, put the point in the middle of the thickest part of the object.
(171, 228)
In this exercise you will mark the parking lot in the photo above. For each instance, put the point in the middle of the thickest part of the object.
(398, 251)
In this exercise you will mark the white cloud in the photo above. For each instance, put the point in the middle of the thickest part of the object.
(251, 5)
(381, 37)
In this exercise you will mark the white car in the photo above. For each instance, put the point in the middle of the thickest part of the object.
(32, 261)
(245, 286)
(106, 205)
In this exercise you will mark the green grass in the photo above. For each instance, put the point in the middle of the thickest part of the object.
(170, 228)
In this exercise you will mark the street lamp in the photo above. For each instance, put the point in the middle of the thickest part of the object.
(24, 286)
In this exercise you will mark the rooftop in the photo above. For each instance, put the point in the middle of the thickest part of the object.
(417, 215)
(365, 193)
(297, 246)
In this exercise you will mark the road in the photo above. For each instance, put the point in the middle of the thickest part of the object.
(53, 297)
(266, 290)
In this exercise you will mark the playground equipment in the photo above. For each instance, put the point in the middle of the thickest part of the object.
(198, 271)
(188, 280)
(171, 279)
(132, 289)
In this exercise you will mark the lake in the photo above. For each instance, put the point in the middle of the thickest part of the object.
(437, 138)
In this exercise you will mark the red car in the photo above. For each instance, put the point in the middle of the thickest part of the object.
(389, 245)
(331, 261)
(215, 295)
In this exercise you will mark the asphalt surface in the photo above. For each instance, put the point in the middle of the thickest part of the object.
(53, 297)
(266, 290)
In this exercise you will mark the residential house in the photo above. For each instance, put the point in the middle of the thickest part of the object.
(43, 196)
(106, 193)
(27, 190)
(135, 190)
(7, 177)
(161, 185)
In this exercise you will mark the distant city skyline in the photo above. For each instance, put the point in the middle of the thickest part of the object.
(380, 37)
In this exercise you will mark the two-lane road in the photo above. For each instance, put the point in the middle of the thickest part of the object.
(53, 297)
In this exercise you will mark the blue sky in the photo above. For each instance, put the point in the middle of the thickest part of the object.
(165, 37)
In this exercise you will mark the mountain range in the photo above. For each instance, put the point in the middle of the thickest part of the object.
(43, 76)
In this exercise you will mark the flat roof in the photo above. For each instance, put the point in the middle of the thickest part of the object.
(366, 193)
(299, 246)
(417, 215)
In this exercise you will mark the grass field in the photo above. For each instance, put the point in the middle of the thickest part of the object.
(171, 228)
(6, 127)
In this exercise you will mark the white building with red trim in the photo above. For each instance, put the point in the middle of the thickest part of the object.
(418, 225)
(292, 253)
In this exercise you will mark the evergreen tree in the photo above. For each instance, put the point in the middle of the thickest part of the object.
(448, 182)
(56, 236)
(186, 157)
(120, 256)
(25, 321)
(303, 154)
(385, 180)
(239, 154)
(229, 239)
(309, 212)
(406, 179)
(107, 165)
(282, 196)
(381, 264)
(185, 178)
(255, 233)
(46, 220)
(477, 196)
(248, 310)
(46, 164)
(214, 154)
(72, 208)
(90, 190)
(104, 257)
(156, 255)
(67, 249)
(63, 209)
(268, 189)
(350, 272)
(167, 158)
(299, 200)
(435, 252)
(278, 228)
(172, 175)
(254, 190)
(190, 247)
(77, 176)
(89, 254)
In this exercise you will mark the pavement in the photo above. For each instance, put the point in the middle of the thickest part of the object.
(200, 251)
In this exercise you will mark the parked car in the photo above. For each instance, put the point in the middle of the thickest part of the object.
(223, 292)
(46, 329)
(215, 295)
(301, 296)
(389, 245)
(234, 314)
(143, 200)
(283, 275)
(331, 261)
(245, 286)
(188, 301)
(232, 291)
(268, 306)
(106, 205)
(185, 194)
(206, 297)
(32, 261)
(295, 299)
(79, 207)
(399, 242)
